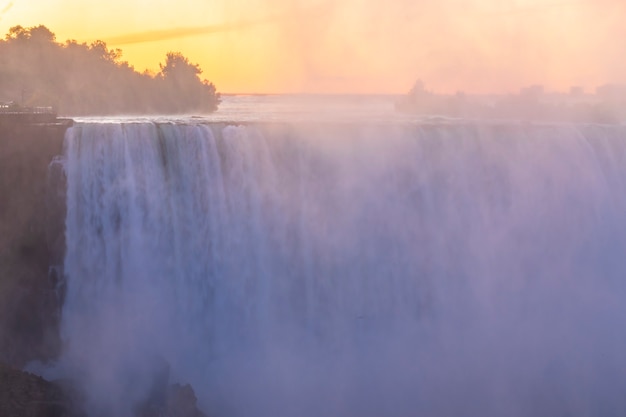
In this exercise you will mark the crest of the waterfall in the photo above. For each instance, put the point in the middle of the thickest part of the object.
(348, 269)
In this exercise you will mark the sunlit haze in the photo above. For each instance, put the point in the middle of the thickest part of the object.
(354, 46)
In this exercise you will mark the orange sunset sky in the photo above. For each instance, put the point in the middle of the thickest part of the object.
(354, 46)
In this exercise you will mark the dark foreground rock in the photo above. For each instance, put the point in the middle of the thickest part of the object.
(23, 394)
(180, 401)
(26, 395)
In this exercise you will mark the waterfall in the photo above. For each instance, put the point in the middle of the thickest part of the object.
(349, 269)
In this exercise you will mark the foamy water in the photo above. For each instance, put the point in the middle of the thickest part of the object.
(352, 269)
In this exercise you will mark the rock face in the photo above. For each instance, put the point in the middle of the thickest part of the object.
(31, 230)
(26, 395)
(180, 401)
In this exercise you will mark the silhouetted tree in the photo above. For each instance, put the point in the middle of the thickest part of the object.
(92, 79)
(41, 34)
(17, 33)
(182, 78)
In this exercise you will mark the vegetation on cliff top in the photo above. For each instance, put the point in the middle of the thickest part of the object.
(81, 79)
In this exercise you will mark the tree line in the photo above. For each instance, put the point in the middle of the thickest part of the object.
(81, 79)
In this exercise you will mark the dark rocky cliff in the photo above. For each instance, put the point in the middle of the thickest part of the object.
(31, 241)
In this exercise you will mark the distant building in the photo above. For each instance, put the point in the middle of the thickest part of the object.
(532, 91)
(576, 91)
(612, 92)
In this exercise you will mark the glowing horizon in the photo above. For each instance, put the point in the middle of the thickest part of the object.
(354, 46)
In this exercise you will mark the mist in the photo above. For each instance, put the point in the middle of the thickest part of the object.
(473, 46)
(361, 46)
(348, 270)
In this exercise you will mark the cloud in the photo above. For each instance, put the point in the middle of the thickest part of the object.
(479, 46)
(183, 32)
(6, 9)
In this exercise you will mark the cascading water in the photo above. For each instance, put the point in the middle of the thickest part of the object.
(349, 270)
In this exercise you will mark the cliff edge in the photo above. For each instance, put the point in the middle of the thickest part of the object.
(31, 241)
